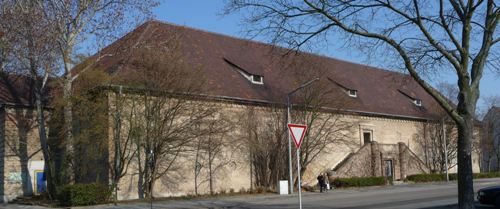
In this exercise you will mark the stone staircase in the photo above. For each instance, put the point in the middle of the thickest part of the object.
(370, 160)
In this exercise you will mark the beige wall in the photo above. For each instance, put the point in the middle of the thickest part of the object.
(385, 131)
(21, 151)
(180, 180)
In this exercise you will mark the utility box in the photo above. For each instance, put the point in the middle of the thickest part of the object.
(283, 187)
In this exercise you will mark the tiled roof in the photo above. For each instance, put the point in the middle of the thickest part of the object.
(16, 90)
(214, 55)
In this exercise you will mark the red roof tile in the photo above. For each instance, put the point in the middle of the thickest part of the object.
(379, 91)
(16, 90)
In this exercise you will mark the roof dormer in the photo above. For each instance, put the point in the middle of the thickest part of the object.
(351, 92)
(253, 78)
(257, 79)
(416, 101)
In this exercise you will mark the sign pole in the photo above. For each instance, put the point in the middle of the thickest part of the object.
(298, 178)
(298, 132)
(290, 177)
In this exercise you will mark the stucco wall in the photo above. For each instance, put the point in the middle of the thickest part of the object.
(385, 131)
(20, 148)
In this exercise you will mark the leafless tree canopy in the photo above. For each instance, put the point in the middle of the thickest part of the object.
(421, 35)
(327, 131)
(424, 34)
(27, 48)
(431, 144)
(266, 139)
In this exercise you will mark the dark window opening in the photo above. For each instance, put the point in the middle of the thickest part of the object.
(418, 102)
(257, 78)
(353, 93)
(367, 137)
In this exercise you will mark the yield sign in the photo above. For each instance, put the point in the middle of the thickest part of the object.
(297, 131)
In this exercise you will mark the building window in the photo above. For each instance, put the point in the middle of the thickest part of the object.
(254, 79)
(367, 137)
(417, 102)
(352, 93)
(257, 79)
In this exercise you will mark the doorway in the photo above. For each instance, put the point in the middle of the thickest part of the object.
(388, 169)
(40, 182)
(367, 137)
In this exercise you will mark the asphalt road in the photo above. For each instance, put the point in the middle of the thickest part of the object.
(428, 196)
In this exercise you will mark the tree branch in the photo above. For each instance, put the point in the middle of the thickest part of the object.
(441, 100)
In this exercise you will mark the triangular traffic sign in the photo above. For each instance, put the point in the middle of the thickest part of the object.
(297, 131)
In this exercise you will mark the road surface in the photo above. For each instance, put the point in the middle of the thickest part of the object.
(429, 196)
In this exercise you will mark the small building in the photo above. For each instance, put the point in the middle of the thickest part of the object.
(21, 159)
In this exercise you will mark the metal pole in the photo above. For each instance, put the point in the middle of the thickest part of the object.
(289, 120)
(298, 178)
(150, 168)
(445, 144)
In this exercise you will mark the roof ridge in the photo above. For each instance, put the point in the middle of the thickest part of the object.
(277, 46)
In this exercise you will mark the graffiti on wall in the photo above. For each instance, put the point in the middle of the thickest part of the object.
(14, 177)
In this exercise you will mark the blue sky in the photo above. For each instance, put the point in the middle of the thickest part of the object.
(205, 14)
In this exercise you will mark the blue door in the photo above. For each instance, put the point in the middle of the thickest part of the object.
(40, 182)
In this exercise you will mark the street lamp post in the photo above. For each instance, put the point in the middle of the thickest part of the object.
(289, 120)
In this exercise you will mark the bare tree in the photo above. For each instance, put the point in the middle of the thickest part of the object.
(215, 148)
(165, 112)
(76, 23)
(24, 121)
(265, 136)
(431, 139)
(28, 49)
(327, 129)
(420, 35)
(431, 143)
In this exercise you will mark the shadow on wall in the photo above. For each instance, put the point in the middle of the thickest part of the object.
(17, 151)
(24, 123)
(2, 154)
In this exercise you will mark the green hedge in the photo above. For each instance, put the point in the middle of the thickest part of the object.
(359, 181)
(83, 194)
(453, 176)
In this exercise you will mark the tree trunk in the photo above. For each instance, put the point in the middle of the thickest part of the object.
(68, 128)
(140, 181)
(22, 131)
(210, 171)
(117, 137)
(465, 183)
(48, 166)
(151, 186)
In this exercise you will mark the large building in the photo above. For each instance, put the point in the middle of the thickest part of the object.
(390, 118)
(363, 121)
(490, 140)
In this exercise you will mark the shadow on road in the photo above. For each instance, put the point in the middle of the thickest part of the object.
(478, 206)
